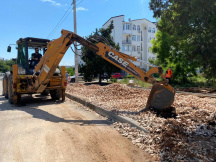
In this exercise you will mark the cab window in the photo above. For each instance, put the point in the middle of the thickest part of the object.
(21, 59)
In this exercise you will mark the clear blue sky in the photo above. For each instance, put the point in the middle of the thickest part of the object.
(38, 18)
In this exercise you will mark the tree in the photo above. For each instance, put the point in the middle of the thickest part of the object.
(186, 34)
(6, 65)
(94, 63)
(70, 71)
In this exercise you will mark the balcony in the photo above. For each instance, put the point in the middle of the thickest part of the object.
(126, 42)
(126, 32)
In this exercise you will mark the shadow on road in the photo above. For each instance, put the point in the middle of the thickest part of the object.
(34, 103)
(97, 83)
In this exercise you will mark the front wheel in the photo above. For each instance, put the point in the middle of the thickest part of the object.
(5, 86)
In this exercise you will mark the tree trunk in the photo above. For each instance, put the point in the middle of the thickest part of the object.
(100, 79)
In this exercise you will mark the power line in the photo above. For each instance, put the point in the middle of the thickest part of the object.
(59, 22)
(63, 18)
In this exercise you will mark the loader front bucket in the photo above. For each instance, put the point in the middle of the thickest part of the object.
(161, 97)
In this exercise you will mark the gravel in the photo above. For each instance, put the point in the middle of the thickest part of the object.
(190, 136)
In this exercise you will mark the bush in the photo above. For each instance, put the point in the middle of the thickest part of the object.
(130, 76)
(124, 81)
(113, 80)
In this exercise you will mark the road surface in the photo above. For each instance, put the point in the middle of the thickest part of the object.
(45, 130)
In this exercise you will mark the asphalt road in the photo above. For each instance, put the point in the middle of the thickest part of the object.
(45, 130)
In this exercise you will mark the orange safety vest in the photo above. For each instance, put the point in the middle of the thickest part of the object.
(169, 74)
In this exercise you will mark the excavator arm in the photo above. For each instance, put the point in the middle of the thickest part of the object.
(161, 95)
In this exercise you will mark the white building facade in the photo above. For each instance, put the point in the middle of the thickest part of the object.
(134, 37)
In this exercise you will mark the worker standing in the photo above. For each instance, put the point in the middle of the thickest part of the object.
(66, 75)
(169, 74)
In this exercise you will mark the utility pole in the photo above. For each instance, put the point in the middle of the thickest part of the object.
(75, 43)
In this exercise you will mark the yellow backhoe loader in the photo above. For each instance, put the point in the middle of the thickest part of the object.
(43, 77)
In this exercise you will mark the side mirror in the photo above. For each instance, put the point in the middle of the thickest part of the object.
(9, 49)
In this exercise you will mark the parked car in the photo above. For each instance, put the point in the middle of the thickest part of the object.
(81, 78)
(118, 76)
(105, 76)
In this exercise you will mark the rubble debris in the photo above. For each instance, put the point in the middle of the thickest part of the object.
(189, 136)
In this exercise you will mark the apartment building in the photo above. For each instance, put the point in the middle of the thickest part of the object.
(134, 37)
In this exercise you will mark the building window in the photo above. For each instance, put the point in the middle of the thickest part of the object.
(153, 30)
(133, 48)
(138, 28)
(123, 48)
(127, 27)
(127, 39)
(128, 48)
(134, 37)
(149, 29)
(138, 48)
(134, 27)
(138, 37)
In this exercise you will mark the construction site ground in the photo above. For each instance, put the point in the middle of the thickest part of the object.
(45, 130)
(188, 133)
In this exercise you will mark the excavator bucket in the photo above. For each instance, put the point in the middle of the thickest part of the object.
(161, 97)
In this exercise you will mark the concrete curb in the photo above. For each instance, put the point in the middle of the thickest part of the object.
(107, 113)
(197, 94)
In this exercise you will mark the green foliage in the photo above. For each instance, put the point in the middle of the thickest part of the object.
(94, 63)
(130, 76)
(186, 37)
(113, 80)
(6, 65)
(124, 81)
(71, 71)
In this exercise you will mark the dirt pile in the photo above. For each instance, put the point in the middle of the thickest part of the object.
(190, 136)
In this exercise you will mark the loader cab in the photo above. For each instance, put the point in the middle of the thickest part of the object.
(26, 47)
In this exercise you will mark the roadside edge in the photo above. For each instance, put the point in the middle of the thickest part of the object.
(107, 113)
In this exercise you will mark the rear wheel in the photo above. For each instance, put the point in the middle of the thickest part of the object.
(63, 95)
(45, 93)
(12, 98)
(56, 94)
(10, 89)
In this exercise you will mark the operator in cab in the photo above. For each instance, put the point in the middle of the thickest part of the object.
(36, 57)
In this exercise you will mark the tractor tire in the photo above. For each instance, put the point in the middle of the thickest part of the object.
(45, 93)
(63, 95)
(56, 94)
(10, 89)
(72, 80)
(5, 86)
